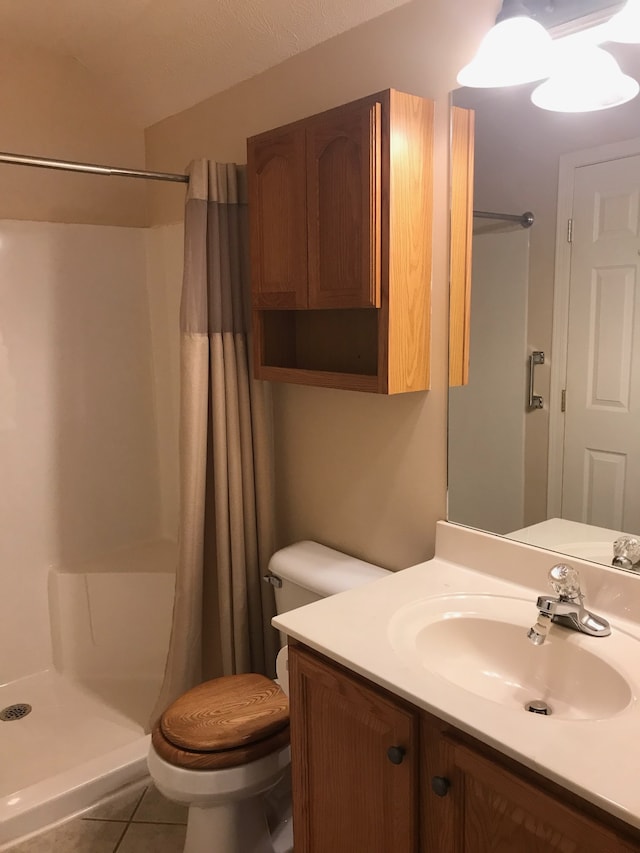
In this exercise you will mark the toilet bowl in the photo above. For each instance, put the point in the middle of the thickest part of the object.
(227, 807)
(222, 748)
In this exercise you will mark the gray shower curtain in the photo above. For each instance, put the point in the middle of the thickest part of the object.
(222, 610)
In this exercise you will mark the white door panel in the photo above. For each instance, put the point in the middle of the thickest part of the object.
(601, 474)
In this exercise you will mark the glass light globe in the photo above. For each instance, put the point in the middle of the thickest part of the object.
(516, 50)
(584, 79)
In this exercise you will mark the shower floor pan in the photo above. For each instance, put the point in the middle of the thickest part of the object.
(80, 742)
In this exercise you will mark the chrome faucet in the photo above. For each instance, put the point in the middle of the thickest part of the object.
(566, 609)
(626, 553)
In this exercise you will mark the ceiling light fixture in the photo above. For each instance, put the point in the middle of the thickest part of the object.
(585, 79)
(516, 50)
(582, 77)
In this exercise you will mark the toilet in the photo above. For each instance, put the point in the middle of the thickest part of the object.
(222, 748)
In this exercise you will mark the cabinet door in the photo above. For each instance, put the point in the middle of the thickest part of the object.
(278, 231)
(343, 197)
(348, 795)
(484, 808)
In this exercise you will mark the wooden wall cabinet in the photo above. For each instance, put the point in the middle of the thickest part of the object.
(340, 208)
(373, 774)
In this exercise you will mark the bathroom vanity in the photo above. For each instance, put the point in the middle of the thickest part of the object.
(409, 728)
(371, 772)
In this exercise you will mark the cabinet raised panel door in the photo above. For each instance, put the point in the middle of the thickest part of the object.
(485, 807)
(504, 813)
(354, 767)
(277, 195)
(343, 198)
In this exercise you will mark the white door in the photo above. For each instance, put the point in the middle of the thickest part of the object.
(601, 472)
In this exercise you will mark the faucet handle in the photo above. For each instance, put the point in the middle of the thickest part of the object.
(626, 549)
(565, 580)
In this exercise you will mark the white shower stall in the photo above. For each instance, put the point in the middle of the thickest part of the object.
(88, 507)
(487, 416)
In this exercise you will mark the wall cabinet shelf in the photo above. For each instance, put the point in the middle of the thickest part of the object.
(372, 774)
(340, 208)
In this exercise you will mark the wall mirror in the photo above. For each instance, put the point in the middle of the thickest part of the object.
(545, 448)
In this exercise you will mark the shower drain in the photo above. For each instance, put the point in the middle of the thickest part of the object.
(14, 712)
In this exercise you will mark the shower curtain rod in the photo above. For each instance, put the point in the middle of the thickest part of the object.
(525, 219)
(91, 168)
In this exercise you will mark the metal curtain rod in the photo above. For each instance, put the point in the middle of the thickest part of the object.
(525, 219)
(70, 166)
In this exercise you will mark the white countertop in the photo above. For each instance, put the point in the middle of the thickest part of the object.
(585, 541)
(597, 759)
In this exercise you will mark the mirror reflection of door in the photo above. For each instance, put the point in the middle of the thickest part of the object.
(601, 447)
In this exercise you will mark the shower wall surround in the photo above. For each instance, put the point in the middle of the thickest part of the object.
(79, 463)
(164, 253)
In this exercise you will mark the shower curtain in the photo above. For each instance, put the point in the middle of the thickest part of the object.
(222, 610)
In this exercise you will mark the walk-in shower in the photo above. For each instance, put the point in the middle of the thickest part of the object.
(88, 503)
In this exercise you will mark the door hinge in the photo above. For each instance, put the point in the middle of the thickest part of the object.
(569, 230)
(563, 400)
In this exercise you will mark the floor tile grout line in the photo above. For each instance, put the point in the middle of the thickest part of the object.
(121, 839)
(130, 821)
(124, 821)
(140, 799)
(117, 819)
(140, 823)
(106, 819)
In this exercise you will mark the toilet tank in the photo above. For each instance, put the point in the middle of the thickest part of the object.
(307, 571)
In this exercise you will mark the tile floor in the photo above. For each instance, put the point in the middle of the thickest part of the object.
(137, 820)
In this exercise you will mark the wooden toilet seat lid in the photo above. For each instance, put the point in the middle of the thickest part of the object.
(225, 713)
(222, 760)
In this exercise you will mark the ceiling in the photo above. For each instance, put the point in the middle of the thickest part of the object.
(162, 56)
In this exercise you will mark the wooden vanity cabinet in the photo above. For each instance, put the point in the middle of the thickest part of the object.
(340, 221)
(354, 764)
(476, 800)
(449, 793)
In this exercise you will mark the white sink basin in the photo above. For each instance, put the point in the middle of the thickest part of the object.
(479, 643)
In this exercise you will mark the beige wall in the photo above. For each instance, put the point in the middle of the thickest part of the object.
(362, 473)
(52, 107)
(417, 48)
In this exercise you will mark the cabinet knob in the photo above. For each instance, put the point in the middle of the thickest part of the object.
(395, 754)
(440, 786)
